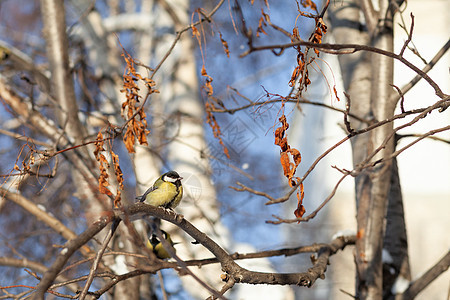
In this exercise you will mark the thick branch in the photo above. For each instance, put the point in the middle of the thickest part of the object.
(236, 273)
(239, 274)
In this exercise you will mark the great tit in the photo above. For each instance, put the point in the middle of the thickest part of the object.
(165, 192)
(155, 245)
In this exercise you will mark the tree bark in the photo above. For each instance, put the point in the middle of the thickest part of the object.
(53, 16)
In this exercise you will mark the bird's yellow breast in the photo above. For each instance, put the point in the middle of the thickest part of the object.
(167, 193)
(158, 249)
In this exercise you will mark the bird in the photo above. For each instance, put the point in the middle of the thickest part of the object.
(155, 245)
(166, 192)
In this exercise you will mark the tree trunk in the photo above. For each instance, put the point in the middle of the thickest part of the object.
(367, 79)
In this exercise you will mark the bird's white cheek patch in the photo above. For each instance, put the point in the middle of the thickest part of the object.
(170, 179)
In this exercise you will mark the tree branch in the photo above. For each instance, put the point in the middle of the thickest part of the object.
(69, 248)
(423, 281)
(53, 16)
(41, 215)
(425, 69)
(338, 49)
(239, 274)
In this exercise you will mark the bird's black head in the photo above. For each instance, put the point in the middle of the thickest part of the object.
(171, 176)
(154, 240)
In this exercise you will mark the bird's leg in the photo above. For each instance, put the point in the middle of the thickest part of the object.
(179, 217)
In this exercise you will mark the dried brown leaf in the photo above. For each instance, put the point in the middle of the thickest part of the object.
(225, 45)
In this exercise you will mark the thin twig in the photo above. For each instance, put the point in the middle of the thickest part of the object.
(367, 162)
(244, 188)
(161, 284)
(436, 138)
(287, 100)
(337, 49)
(348, 294)
(402, 101)
(350, 130)
(413, 49)
(408, 40)
(69, 249)
(185, 268)
(324, 9)
(96, 262)
(227, 286)
(421, 137)
(429, 276)
(315, 212)
(179, 34)
(425, 69)
(422, 113)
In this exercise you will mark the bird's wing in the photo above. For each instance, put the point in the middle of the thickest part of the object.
(143, 196)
